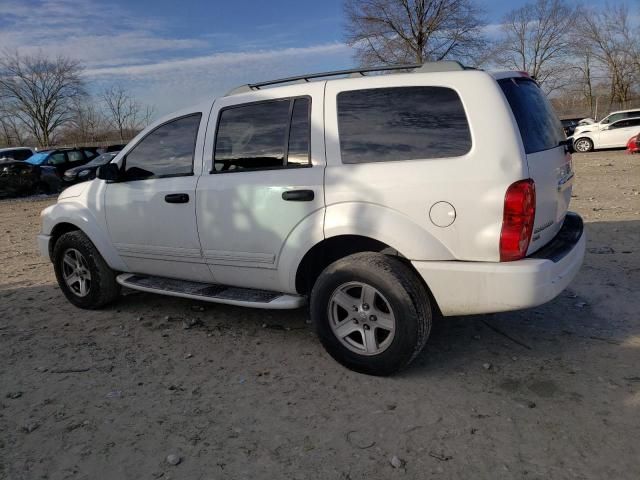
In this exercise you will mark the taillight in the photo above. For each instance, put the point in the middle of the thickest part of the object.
(517, 221)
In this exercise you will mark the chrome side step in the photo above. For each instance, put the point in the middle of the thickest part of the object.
(207, 292)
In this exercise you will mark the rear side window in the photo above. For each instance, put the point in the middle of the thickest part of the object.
(165, 152)
(404, 123)
(264, 135)
(539, 126)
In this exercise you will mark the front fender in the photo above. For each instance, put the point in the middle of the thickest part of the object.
(387, 226)
(81, 217)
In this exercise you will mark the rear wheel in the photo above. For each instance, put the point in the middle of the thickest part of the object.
(83, 275)
(583, 145)
(371, 312)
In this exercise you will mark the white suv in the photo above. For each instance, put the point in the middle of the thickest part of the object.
(606, 135)
(384, 199)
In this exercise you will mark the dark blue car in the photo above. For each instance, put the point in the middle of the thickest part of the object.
(52, 164)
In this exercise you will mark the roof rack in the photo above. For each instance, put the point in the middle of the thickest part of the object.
(440, 66)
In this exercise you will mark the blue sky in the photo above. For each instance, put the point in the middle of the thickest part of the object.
(170, 53)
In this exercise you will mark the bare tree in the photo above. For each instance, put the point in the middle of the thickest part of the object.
(536, 39)
(414, 31)
(11, 131)
(124, 113)
(40, 92)
(87, 125)
(607, 33)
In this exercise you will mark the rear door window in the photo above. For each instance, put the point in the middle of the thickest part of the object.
(539, 126)
(75, 156)
(57, 158)
(263, 136)
(401, 123)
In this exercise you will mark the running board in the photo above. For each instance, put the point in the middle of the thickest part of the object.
(207, 292)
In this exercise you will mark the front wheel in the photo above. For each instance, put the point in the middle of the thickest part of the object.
(583, 145)
(83, 275)
(371, 313)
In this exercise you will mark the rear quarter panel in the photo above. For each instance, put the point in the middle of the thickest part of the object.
(390, 201)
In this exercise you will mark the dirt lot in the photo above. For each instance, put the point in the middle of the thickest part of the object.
(552, 392)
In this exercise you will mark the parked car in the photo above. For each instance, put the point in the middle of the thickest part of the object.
(614, 135)
(18, 178)
(54, 163)
(569, 125)
(114, 148)
(606, 121)
(15, 153)
(88, 170)
(633, 145)
(384, 200)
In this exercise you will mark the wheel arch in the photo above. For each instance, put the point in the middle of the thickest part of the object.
(66, 217)
(331, 249)
(58, 230)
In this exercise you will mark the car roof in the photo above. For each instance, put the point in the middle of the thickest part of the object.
(442, 66)
(625, 111)
(12, 149)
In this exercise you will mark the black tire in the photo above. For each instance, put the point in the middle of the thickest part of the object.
(43, 188)
(583, 145)
(402, 291)
(103, 288)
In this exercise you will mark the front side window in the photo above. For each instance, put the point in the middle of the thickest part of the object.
(401, 123)
(264, 135)
(165, 152)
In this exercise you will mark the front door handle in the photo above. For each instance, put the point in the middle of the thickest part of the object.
(176, 198)
(298, 195)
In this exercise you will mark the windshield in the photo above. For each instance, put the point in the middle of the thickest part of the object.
(539, 126)
(38, 158)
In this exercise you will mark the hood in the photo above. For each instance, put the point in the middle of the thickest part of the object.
(73, 191)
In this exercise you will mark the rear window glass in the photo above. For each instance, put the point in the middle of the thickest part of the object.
(539, 126)
(404, 123)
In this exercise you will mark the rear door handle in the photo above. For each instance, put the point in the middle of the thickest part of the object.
(298, 195)
(176, 198)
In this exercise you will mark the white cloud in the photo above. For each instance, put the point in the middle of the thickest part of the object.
(141, 54)
(95, 33)
(216, 60)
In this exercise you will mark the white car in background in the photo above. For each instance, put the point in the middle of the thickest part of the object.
(599, 135)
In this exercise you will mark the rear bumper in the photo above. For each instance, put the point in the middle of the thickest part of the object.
(43, 245)
(466, 288)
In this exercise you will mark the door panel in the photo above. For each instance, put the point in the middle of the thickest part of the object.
(152, 235)
(151, 213)
(245, 224)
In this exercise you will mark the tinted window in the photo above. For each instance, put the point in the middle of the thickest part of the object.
(539, 126)
(57, 158)
(252, 137)
(75, 156)
(389, 124)
(265, 135)
(20, 154)
(299, 135)
(166, 151)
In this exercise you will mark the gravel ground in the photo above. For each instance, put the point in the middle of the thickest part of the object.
(550, 392)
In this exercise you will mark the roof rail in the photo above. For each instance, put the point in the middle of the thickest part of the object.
(440, 66)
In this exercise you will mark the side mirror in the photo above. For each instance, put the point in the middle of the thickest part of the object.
(109, 172)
